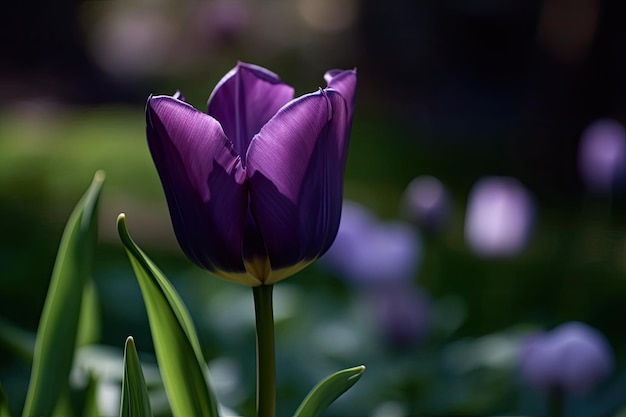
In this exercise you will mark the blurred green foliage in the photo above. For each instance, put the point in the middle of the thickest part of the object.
(573, 269)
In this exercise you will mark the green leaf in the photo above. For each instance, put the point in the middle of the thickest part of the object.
(63, 406)
(4, 404)
(89, 326)
(327, 391)
(176, 344)
(135, 401)
(90, 407)
(58, 326)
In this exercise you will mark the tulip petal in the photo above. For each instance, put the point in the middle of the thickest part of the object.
(203, 181)
(343, 81)
(244, 100)
(295, 168)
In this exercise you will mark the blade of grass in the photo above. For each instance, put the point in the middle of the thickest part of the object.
(176, 344)
(58, 327)
(327, 391)
(135, 401)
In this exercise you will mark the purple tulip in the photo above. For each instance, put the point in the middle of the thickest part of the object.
(255, 186)
(570, 359)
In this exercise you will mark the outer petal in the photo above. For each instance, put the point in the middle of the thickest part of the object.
(204, 184)
(244, 100)
(343, 81)
(295, 168)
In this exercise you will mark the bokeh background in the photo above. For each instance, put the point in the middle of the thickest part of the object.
(457, 90)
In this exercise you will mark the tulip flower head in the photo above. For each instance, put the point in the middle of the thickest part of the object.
(572, 358)
(255, 185)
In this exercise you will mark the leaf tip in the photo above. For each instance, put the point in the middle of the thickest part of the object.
(357, 371)
(129, 342)
(121, 223)
(99, 176)
(122, 231)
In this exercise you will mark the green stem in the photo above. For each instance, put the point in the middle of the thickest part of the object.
(265, 352)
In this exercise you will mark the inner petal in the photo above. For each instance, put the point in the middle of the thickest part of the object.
(244, 100)
(255, 256)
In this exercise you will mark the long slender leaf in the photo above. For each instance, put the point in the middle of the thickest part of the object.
(63, 406)
(4, 404)
(327, 391)
(90, 407)
(56, 335)
(89, 326)
(176, 344)
(135, 401)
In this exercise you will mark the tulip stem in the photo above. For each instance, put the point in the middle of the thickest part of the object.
(265, 356)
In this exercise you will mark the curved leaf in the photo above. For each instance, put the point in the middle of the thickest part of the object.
(327, 391)
(135, 401)
(58, 327)
(178, 353)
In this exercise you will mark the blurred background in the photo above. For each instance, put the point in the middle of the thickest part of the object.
(486, 176)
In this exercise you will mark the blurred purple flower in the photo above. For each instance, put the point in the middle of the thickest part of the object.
(371, 253)
(403, 312)
(572, 358)
(499, 218)
(132, 42)
(219, 21)
(427, 203)
(255, 186)
(602, 156)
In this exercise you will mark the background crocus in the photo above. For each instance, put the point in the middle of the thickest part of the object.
(255, 186)
(403, 313)
(499, 217)
(371, 253)
(572, 358)
(381, 259)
